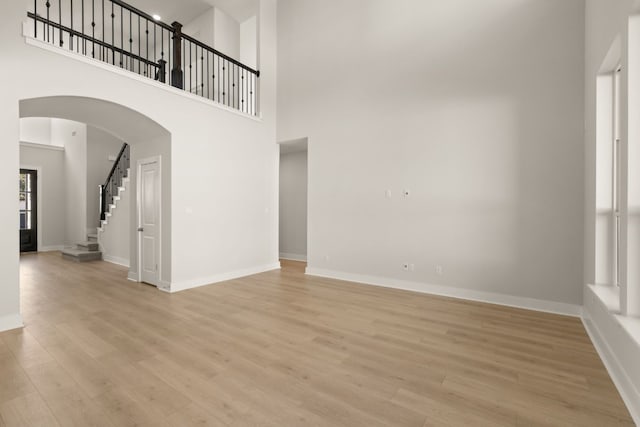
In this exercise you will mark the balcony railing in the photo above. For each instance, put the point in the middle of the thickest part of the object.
(117, 33)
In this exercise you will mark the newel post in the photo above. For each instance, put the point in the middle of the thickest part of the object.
(176, 72)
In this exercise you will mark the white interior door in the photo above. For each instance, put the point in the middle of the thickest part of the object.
(149, 221)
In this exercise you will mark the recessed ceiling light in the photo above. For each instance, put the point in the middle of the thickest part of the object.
(157, 17)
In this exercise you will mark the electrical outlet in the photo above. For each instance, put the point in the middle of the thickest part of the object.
(439, 270)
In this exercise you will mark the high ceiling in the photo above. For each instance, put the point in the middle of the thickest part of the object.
(184, 11)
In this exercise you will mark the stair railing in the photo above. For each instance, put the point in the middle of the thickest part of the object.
(117, 33)
(114, 181)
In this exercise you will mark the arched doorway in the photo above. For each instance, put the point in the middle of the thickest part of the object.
(149, 142)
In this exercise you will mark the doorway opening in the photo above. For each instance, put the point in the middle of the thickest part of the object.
(28, 198)
(79, 131)
(293, 203)
(149, 220)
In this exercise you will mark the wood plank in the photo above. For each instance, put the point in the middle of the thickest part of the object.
(282, 348)
(27, 411)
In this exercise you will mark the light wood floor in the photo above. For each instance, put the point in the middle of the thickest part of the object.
(282, 349)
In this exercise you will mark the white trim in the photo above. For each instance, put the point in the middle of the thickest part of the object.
(116, 260)
(629, 393)
(41, 146)
(165, 286)
(38, 170)
(133, 276)
(51, 248)
(115, 69)
(448, 291)
(12, 321)
(204, 281)
(617, 341)
(293, 257)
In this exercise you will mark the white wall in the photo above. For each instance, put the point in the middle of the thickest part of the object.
(73, 136)
(249, 42)
(293, 205)
(36, 130)
(51, 193)
(201, 28)
(227, 34)
(475, 107)
(100, 146)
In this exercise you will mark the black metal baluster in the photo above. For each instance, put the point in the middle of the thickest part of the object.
(121, 36)
(71, 32)
(84, 41)
(146, 51)
(93, 28)
(113, 34)
(155, 46)
(162, 44)
(224, 92)
(139, 44)
(60, 22)
(104, 28)
(213, 65)
(190, 69)
(208, 83)
(201, 71)
(130, 58)
(242, 88)
(184, 63)
(219, 78)
(35, 19)
(48, 4)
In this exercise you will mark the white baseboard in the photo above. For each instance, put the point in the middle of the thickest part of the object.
(12, 321)
(618, 349)
(195, 283)
(116, 260)
(164, 286)
(51, 248)
(623, 383)
(447, 291)
(293, 257)
(133, 276)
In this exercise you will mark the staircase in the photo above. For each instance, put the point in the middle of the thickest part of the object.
(84, 251)
(110, 193)
(120, 189)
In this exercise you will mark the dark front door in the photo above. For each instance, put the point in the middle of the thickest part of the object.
(28, 198)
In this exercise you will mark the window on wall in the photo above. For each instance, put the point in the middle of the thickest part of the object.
(608, 178)
(616, 177)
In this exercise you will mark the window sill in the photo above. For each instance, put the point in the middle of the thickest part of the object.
(609, 295)
(609, 298)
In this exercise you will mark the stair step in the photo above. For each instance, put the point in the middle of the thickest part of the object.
(93, 237)
(88, 246)
(80, 255)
